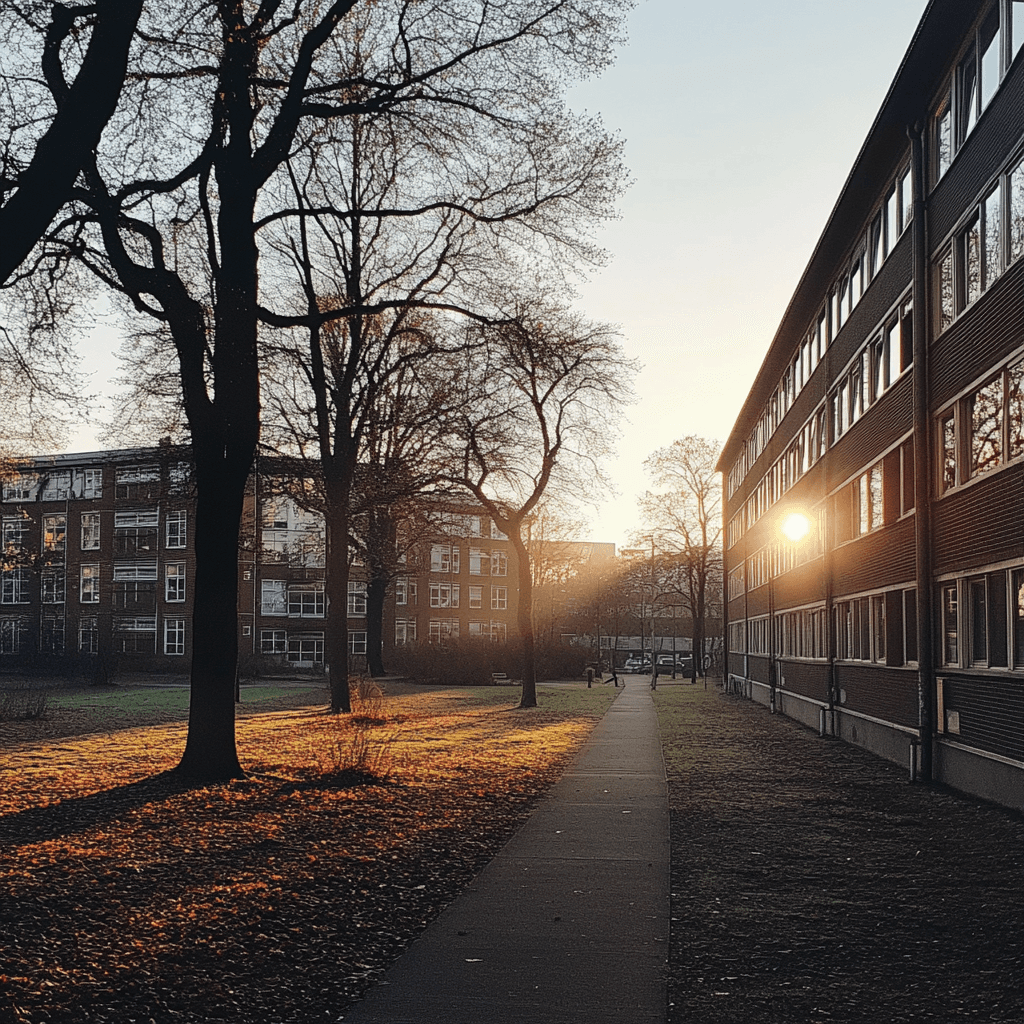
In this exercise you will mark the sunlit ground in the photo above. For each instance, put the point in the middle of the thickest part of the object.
(271, 896)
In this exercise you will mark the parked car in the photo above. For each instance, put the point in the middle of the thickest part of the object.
(637, 665)
(683, 664)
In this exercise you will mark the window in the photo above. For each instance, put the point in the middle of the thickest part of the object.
(20, 486)
(273, 597)
(499, 563)
(174, 582)
(950, 625)
(444, 595)
(307, 601)
(54, 537)
(356, 597)
(89, 634)
(499, 632)
(13, 635)
(51, 585)
(499, 598)
(135, 586)
(944, 290)
(476, 597)
(51, 634)
(135, 635)
(444, 558)
(984, 430)
(56, 486)
(176, 528)
(479, 562)
(137, 483)
(90, 531)
(15, 537)
(174, 636)
(89, 483)
(479, 629)
(180, 478)
(443, 629)
(273, 641)
(1017, 612)
(89, 584)
(405, 591)
(306, 648)
(878, 628)
(405, 631)
(14, 586)
(135, 533)
(496, 534)
(357, 641)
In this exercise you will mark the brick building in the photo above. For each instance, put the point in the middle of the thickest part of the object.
(888, 419)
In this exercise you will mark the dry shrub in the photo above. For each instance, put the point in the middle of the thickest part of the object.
(23, 705)
(361, 743)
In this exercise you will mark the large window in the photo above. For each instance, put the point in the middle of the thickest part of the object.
(444, 595)
(479, 562)
(306, 601)
(135, 587)
(90, 531)
(51, 586)
(174, 636)
(174, 582)
(137, 483)
(89, 584)
(443, 629)
(135, 635)
(499, 598)
(405, 631)
(406, 591)
(273, 597)
(444, 558)
(176, 528)
(306, 648)
(982, 617)
(55, 486)
(356, 598)
(990, 50)
(89, 634)
(54, 537)
(14, 584)
(983, 430)
(499, 563)
(357, 641)
(135, 533)
(273, 641)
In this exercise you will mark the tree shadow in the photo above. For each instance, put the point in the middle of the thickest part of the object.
(79, 814)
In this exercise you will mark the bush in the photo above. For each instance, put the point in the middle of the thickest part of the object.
(357, 744)
(23, 705)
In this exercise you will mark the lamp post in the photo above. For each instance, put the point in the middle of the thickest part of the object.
(793, 527)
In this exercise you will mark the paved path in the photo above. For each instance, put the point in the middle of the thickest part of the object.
(569, 923)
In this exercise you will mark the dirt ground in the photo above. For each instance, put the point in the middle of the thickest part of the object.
(812, 883)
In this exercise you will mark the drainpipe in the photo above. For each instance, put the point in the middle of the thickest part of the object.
(923, 479)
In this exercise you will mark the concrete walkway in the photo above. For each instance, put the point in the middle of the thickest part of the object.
(570, 922)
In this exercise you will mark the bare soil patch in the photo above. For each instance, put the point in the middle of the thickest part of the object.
(812, 883)
(281, 897)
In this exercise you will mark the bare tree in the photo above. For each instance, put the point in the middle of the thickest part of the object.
(552, 383)
(684, 515)
(42, 43)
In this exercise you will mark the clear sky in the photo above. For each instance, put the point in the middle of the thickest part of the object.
(741, 121)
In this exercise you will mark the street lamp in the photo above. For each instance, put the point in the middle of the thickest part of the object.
(792, 526)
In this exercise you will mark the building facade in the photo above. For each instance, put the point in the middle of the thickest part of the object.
(98, 571)
(874, 480)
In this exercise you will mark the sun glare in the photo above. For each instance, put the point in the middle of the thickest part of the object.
(796, 526)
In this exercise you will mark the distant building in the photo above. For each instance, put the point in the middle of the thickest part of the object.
(889, 414)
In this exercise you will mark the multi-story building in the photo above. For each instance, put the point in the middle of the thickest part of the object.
(98, 559)
(888, 419)
(97, 556)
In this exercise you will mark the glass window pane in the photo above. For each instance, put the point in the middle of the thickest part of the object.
(1017, 610)
(1015, 408)
(989, 44)
(967, 106)
(943, 139)
(877, 505)
(970, 255)
(992, 253)
(1016, 27)
(948, 452)
(1016, 204)
(951, 639)
(891, 220)
(906, 199)
(945, 274)
(979, 622)
(987, 427)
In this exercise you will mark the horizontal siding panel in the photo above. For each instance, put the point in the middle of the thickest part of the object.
(810, 679)
(981, 524)
(991, 712)
(882, 559)
(886, 694)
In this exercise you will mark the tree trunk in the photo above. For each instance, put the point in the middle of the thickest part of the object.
(524, 618)
(376, 590)
(337, 489)
(210, 753)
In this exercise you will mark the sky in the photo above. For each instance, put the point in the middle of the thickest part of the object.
(741, 123)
